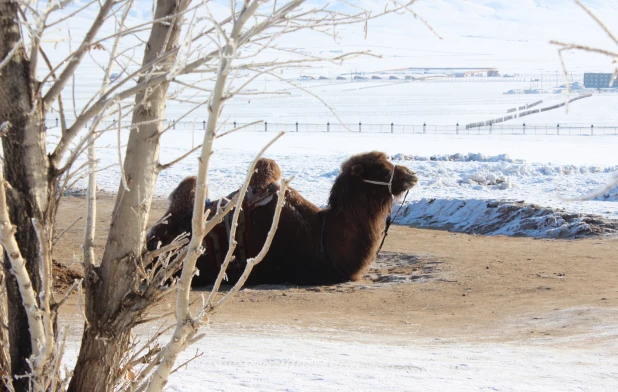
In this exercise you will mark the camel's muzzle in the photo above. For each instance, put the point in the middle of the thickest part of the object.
(408, 177)
(410, 181)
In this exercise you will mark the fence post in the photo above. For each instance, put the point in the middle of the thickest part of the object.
(592, 130)
(328, 126)
(558, 129)
(204, 125)
(490, 128)
(359, 126)
(424, 128)
(392, 126)
(173, 124)
(296, 126)
(56, 122)
(234, 124)
(524, 128)
(457, 129)
(265, 126)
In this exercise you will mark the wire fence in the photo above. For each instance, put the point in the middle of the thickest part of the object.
(567, 129)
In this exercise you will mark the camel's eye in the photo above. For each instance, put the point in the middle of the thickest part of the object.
(357, 169)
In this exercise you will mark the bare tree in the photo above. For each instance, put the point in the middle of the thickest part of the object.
(184, 41)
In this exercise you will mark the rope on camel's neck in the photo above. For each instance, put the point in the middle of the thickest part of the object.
(389, 222)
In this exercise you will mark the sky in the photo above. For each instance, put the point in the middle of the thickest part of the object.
(512, 35)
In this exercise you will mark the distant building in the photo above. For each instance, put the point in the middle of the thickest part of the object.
(598, 80)
(409, 77)
(392, 77)
(341, 78)
(493, 73)
(375, 77)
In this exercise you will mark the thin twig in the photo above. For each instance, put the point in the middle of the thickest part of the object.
(265, 248)
(65, 230)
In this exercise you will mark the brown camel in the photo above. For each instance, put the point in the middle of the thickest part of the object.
(312, 245)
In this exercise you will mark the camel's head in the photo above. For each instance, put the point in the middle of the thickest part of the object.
(374, 173)
(177, 218)
(266, 172)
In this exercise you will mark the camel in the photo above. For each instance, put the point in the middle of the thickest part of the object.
(312, 246)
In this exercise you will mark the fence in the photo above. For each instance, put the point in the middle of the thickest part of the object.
(523, 114)
(432, 129)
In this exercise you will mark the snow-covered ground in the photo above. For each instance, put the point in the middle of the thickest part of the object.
(277, 358)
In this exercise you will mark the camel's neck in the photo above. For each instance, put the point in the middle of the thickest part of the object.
(352, 234)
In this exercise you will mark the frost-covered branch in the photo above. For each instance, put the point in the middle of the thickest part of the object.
(185, 323)
(252, 262)
(233, 226)
(77, 57)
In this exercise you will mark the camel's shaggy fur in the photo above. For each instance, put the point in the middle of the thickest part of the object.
(312, 245)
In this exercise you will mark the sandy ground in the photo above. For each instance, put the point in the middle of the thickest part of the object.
(430, 284)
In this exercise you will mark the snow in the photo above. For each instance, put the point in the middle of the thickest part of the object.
(543, 170)
(280, 358)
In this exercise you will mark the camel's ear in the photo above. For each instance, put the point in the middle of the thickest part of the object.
(356, 170)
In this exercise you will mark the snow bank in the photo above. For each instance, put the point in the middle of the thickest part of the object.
(493, 217)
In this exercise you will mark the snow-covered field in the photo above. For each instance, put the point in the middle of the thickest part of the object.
(276, 358)
(544, 170)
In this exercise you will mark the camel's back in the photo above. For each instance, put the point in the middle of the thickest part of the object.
(295, 255)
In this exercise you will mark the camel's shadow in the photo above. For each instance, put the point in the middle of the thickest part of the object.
(388, 269)
(399, 268)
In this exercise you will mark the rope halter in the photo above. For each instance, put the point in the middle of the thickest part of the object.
(389, 183)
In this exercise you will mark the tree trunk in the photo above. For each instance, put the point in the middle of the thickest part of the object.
(27, 170)
(110, 287)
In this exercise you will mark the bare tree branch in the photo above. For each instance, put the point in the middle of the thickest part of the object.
(257, 259)
(69, 70)
(10, 55)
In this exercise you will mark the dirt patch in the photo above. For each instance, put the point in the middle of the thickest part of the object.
(65, 276)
